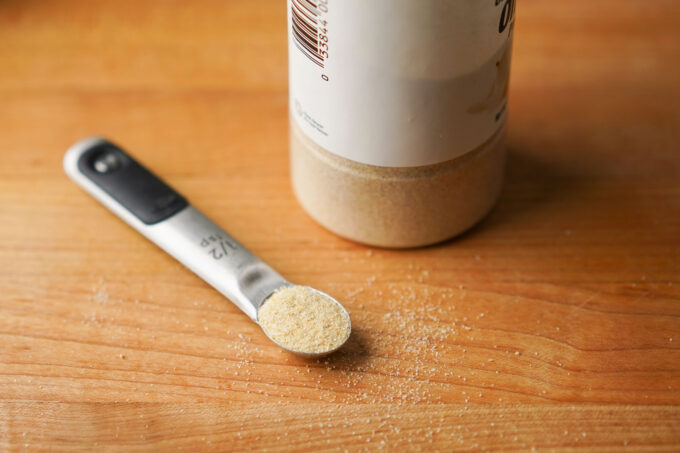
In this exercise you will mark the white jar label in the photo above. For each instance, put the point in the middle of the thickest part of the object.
(399, 83)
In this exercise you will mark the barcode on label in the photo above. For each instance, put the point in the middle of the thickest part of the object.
(305, 25)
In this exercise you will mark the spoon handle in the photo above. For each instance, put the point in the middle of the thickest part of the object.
(160, 213)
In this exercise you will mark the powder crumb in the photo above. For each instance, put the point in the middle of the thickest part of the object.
(304, 320)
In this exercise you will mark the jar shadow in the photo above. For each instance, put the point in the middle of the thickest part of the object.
(531, 183)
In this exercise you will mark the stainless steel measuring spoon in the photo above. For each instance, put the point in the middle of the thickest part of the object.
(157, 211)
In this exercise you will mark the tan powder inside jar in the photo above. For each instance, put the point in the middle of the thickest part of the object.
(396, 207)
(304, 320)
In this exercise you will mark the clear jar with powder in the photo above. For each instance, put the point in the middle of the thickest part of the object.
(397, 114)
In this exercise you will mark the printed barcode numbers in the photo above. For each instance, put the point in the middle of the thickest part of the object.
(310, 29)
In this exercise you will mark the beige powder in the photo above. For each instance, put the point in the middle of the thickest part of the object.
(396, 207)
(304, 320)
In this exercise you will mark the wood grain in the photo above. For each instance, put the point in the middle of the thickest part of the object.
(553, 325)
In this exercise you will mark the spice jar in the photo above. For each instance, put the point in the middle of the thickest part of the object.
(397, 114)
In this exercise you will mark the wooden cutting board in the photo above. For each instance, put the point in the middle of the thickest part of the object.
(553, 325)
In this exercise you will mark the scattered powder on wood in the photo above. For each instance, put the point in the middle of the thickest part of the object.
(304, 320)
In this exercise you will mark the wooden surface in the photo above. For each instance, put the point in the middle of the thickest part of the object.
(553, 325)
